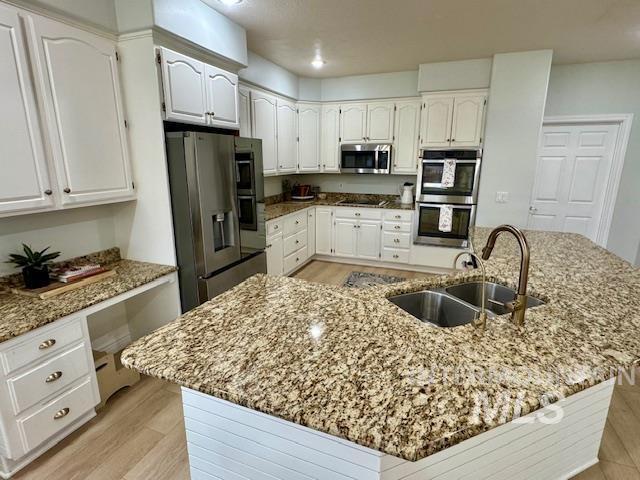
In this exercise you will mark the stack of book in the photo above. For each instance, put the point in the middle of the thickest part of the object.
(75, 273)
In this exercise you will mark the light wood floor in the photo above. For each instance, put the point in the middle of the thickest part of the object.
(139, 435)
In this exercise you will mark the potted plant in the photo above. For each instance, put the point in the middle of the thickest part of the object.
(35, 266)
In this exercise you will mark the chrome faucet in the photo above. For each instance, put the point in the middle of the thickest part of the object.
(481, 321)
(518, 306)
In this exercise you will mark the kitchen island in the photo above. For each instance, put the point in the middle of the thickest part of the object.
(283, 375)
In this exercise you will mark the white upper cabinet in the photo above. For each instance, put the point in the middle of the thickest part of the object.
(329, 138)
(380, 122)
(287, 136)
(308, 137)
(263, 126)
(407, 121)
(222, 98)
(468, 115)
(353, 123)
(244, 111)
(78, 74)
(24, 181)
(437, 113)
(184, 86)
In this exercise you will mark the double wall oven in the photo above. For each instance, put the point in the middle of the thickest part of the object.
(447, 196)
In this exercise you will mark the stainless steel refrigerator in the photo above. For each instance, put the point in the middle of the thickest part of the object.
(217, 197)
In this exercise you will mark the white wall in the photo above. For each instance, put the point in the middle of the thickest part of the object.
(608, 87)
(460, 75)
(514, 117)
(364, 87)
(72, 232)
(356, 183)
(266, 74)
(100, 13)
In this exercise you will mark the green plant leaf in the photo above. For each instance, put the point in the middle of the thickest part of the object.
(27, 250)
(49, 256)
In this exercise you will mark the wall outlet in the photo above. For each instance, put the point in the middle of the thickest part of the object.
(502, 197)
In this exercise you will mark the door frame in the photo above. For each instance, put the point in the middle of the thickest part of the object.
(624, 121)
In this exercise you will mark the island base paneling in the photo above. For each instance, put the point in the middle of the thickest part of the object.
(229, 441)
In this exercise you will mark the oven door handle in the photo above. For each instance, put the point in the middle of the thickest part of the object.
(438, 205)
(441, 160)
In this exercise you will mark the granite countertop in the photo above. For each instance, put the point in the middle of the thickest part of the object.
(350, 363)
(20, 314)
(282, 208)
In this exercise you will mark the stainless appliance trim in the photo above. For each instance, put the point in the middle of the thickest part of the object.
(254, 224)
(368, 147)
(440, 241)
(445, 197)
(252, 169)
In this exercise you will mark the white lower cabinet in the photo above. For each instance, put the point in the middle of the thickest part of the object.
(345, 237)
(324, 230)
(368, 239)
(275, 255)
(311, 232)
(287, 243)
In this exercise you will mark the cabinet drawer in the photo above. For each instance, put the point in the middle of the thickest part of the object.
(56, 415)
(294, 260)
(359, 213)
(396, 240)
(397, 227)
(295, 222)
(398, 215)
(295, 242)
(44, 341)
(395, 255)
(275, 226)
(48, 378)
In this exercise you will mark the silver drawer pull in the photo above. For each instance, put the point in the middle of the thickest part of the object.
(47, 343)
(397, 227)
(61, 413)
(53, 377)
(396, 240)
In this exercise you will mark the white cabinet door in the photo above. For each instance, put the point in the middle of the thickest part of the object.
(330, 143)
(437, 112)
(183, 82)
(407, 121)
(324, 231)
(244, 111)
(345, 237)
(308, 137)
(380, 122)
(368, 239)
(287, 136)
(275, 256)
(353, 123)
(263, 126)
(468, 114)
(24, 181)
(78, 73)
(311, 232)
(222, 97)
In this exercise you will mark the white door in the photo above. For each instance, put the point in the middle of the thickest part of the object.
(244, 111)
(329, 138)
(311, 232)
(368, 243)
(183, 82)
(353, 123)
(222, 97)
(308, 138)
(24, 181)
(380, 122)
(78, 72)
(573, 167)
(275, 257)
(468, 113)
(345, 237)
(287, 136)
(324, 231)
(407, 122)
(435, 126)
(263, 126)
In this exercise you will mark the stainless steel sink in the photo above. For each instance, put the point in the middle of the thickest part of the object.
(437, 308)
(496, 295)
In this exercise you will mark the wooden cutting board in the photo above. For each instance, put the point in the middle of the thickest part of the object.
(57, 288)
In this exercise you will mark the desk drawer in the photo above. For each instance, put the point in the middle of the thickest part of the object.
(48, 378)
(397, 227)
(295, 242)
(396, 240)
(57, 415)
(43, 342)
(398, 215)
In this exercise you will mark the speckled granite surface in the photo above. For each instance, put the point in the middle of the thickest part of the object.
(20, 314)
(279, 209)
(349, 363)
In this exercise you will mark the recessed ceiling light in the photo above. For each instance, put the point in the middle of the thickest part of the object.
(318, 62)
(230, 2)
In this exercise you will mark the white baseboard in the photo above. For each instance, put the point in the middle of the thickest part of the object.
(379, 264)
(114, 341)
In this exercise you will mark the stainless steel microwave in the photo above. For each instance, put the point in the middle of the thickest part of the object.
(365, 158)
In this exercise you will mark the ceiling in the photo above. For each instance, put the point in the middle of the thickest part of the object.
(374, 36)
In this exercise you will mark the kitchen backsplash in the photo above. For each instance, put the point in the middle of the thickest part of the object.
(345, 183)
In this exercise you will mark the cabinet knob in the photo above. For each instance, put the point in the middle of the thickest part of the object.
(269, 246)
(453, 139)
(397, 227)
(67, 190)
(396, 240)
(395, 256)
(275, 227)
(357, 214)
(47, 343)
(297, 259)
(53, 377)
(297, 222)
(297, 242)
(397, 216)
(48, 192)
(61, 413)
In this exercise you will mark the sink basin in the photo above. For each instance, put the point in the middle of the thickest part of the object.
(436, 308)
(472, 293)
